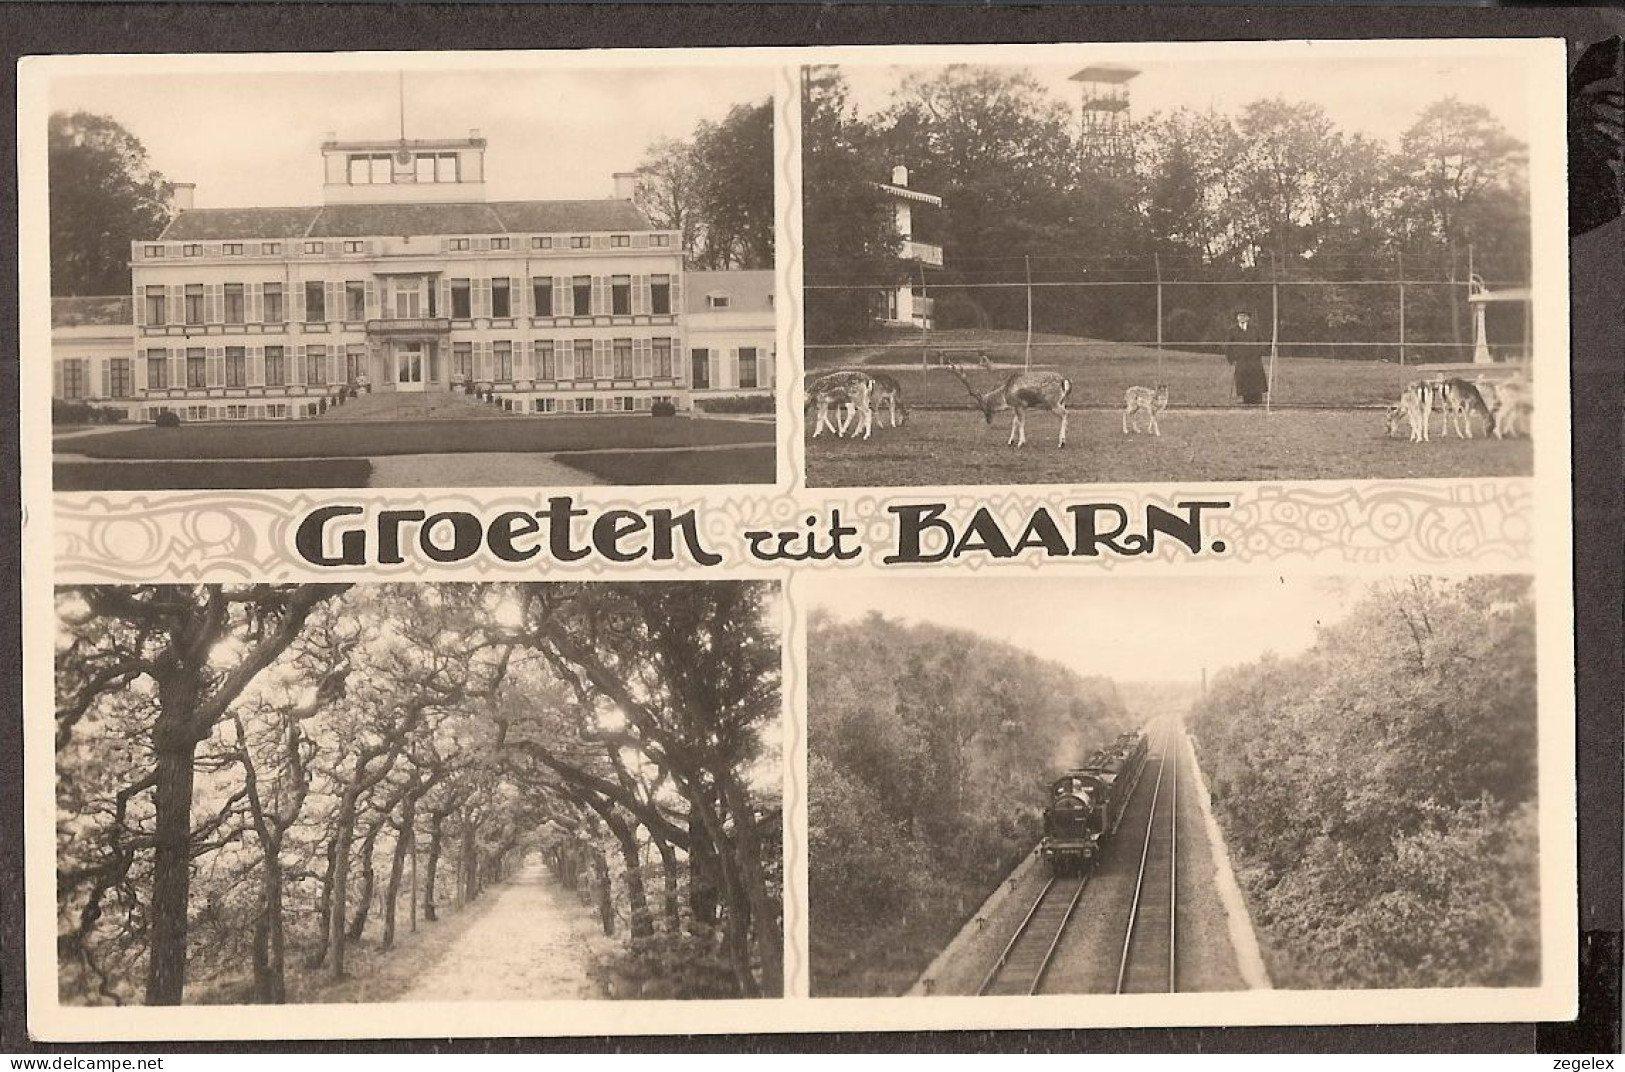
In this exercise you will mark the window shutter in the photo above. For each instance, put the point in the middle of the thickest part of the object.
(640, 295)
(335, 364)
(214, 304)
(640, 241)
(256, 366)
(715, 366)
(518, 297)
(644, 358)
(211, 249)
(296, 299)
(138, 372)
(104, 369)
(372, 300)
(177, 305)
(676, 295)
(331, 248)
(388, 365)
(254, 302)
(139, 307)
(764, 368)
(561, 295)
(600, 296)
(214, 372)
(604, 359)
(481, 297)
(296, 374)
(333, 299)
(482, 244)
(600, 242)
(56, 379)
(445, 297)
(177, 368)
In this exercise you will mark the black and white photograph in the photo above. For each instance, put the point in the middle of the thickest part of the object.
(488, 277)
(1172, 785)
(277, 794)
(1292, 261)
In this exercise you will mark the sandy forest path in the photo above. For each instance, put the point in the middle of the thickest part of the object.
(533, 942)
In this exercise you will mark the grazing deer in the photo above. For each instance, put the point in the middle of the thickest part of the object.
(1020, 392)
(837, 391)
(1416, 407)
(1138, 400)
(1511, 402)
(889, 393)
(1461, 399)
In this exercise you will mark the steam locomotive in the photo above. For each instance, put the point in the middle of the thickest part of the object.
(1086, 804)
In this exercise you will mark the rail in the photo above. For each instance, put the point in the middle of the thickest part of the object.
(1141, 885)
(1038, 930)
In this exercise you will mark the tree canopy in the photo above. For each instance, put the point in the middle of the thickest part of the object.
(717, 189)
(104, 194)
(248, 774)
(928, 753)
(1378, 792)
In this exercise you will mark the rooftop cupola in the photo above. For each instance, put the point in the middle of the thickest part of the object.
(406, 170)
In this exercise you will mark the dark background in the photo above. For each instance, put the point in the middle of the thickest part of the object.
(1598, 330)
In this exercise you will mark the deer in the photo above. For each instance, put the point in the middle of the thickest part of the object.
(1511, 403)
(1138, 400)
(839, 390)
(1460, 400)
(889, 393)
(1020, 392)
(1415, 406)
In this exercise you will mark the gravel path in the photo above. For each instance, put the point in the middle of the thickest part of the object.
(533, 942)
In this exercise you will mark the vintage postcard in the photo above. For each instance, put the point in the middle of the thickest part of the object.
(529, 544)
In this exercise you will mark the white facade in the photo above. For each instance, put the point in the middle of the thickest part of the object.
(730, 330)
(908, 305)
(405, 280)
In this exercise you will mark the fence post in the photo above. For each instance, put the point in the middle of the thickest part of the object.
(1402, 310)
(1156, 259)
(1275, 330)
(1028, 360)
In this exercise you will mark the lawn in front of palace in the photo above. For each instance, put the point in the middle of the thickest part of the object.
(943, 447)
(329, 438)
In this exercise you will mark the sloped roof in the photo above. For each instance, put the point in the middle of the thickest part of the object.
(545, 217)
(213, 224)
(113, 311)
(750, 291)
(403, 220)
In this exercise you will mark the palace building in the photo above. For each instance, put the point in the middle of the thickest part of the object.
(408, 279)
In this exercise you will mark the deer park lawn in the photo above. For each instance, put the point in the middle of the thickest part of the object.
(1330, 424)
(956, 446)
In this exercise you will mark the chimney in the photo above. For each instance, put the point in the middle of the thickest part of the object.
(899, 175)
(625, 183)
(183, 195)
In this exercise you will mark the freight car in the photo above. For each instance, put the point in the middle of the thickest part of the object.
(1086, 804)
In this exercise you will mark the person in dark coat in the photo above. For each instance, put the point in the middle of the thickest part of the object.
(1245, 347)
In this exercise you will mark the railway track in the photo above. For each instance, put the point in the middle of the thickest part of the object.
(1150, 958)
(1026, 959)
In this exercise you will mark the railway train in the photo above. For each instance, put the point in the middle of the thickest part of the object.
(1086, 804)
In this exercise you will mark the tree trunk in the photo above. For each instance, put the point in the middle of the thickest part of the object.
(344, 832)
(324, 913)
(637, 898)
(430, 867)
(171, 869)
(702, 868)
(467, 864)
(270, 976)
(737, 914)
(668, 866)
(403, 838)
(369, 880)
(767, 928)
(606, 900)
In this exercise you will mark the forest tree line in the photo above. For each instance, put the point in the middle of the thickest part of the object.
(1276, 190)
(929, 750)
(1378, 792)
(715, 187)
(255, 782)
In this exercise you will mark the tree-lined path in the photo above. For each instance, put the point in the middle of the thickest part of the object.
(285, 793)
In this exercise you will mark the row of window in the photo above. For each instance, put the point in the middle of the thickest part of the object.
(371, 169)
(356, 245)
(281, 410)
(560, 362)
(549, 297)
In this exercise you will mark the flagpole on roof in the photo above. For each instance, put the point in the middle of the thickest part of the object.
(401, 76)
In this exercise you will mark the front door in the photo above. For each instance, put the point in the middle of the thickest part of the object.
(409, 366)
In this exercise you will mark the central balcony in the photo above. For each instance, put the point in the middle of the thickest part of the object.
(923, 252)
(413, 325)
